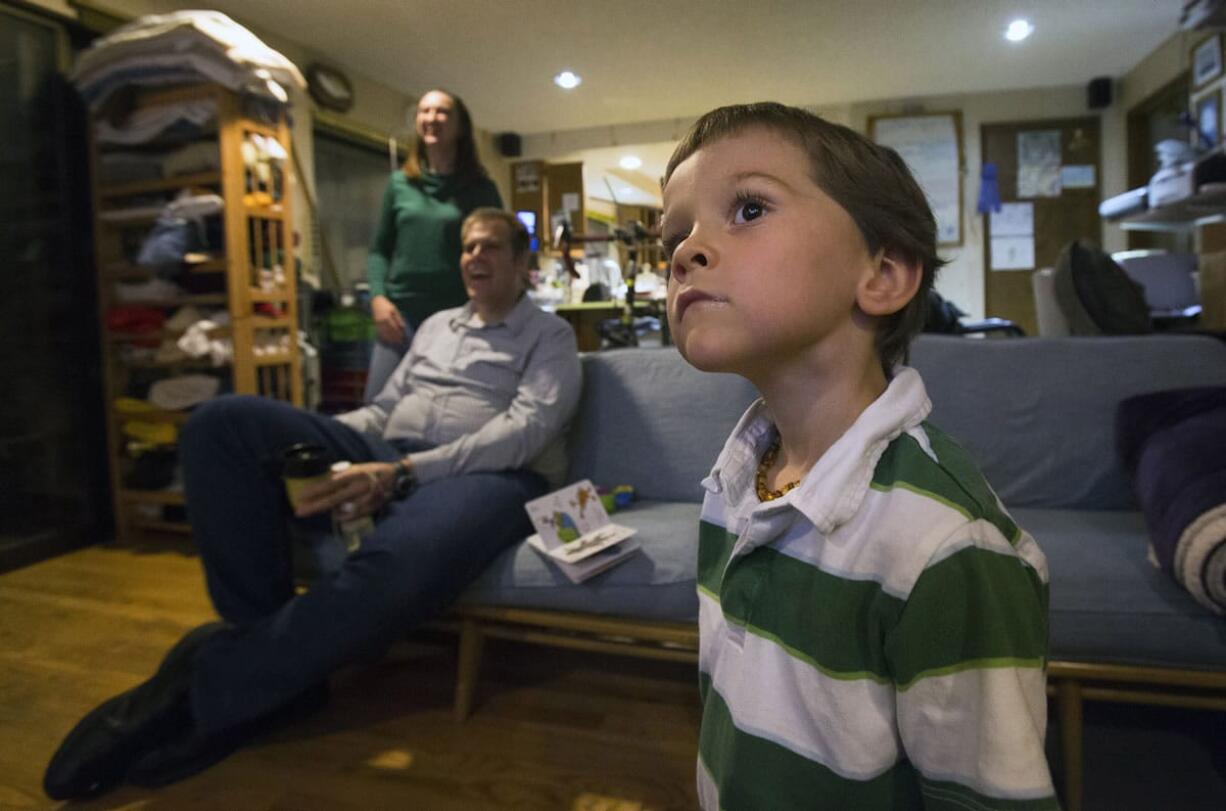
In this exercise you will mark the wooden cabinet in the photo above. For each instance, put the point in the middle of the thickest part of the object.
(246, 272)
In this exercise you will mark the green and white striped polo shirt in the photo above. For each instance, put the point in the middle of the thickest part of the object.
(875, 639)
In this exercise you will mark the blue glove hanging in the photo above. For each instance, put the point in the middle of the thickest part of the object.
(989, 191)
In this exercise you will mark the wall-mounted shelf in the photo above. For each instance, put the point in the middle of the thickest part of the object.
(1203, 208)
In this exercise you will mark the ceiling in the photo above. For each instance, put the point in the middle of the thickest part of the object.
(647, 60)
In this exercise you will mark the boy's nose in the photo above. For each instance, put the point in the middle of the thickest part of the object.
(692, 254)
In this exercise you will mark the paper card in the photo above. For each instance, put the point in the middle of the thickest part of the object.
(590, 567)
(1012, 253)
(1078, 176)
(573, 524)
(590, 544)
(1013, 220)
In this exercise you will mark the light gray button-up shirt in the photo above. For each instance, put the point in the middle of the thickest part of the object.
(484, 396)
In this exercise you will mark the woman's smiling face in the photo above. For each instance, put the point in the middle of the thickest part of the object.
(437, 122)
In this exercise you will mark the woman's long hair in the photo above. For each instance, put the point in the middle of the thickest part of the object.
(467, 164)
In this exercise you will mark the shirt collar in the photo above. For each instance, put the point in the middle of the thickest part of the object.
(832, 491)
(515, 321)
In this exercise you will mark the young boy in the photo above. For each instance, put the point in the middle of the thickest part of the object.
(873, 624)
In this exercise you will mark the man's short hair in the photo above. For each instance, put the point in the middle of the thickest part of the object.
(520, 239)
(870, 181)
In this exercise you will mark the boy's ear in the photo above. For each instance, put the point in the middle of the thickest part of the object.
(892, 282)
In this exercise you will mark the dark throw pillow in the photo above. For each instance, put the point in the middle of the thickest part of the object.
(1173, 443)
(1096, 295)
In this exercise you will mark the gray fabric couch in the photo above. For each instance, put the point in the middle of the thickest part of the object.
(1037, 415)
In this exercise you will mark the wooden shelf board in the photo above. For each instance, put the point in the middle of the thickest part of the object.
(265, 322)
(163, 334)
(187, 363)
(162, 184)
(177, 527)
(269, 296)
(177, 417)
(177, 301)
(120, 271)
(273, 212)
(152, 496)
(279, 359)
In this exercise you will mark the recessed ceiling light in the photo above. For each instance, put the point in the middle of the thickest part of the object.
(1018, 30)
(630, 162)
(567, 80)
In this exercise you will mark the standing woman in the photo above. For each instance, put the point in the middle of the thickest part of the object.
(414, 262)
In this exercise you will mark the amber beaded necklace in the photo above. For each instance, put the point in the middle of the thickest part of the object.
(764, 467)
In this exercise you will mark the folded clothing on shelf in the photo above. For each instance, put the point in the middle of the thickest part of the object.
(180, 229)
(185, 120)
(184, 391)
(181, 47)
(135, 320)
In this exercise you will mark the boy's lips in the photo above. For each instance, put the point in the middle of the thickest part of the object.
(690, 296)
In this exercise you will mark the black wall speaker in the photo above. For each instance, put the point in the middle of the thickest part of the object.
(1098, 93)
(509, 144)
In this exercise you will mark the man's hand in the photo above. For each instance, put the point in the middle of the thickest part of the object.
(356, 491)
(388, 323)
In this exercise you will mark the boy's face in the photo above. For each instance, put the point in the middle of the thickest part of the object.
(765, 265)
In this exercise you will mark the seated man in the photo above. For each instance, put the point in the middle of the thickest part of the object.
(468, 428)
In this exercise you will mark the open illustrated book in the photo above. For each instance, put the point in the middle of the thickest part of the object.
(575, 534)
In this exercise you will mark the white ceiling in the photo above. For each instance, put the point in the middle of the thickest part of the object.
(642, 60)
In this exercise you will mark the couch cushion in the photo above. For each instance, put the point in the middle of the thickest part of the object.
(1037, 414)
(1109, 604)
(649, 419)
(657, 583)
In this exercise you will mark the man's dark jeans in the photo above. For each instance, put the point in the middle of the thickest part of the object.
(422, 554)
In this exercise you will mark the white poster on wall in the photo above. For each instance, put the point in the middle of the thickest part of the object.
(1013, 220)
(1012, 243)
(1012, 253)
(1078, 176)
(930, 146)
(1038, 163)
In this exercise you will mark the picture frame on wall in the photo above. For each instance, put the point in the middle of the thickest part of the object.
(1209, 119)
(1207, 61)
(931, 146)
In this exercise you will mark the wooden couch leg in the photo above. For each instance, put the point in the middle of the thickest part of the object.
(472, 639)
(1071, 746)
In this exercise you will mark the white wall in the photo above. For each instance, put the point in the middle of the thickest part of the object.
(1158, 69)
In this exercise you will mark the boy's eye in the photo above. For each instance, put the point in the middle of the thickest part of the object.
(748, 210)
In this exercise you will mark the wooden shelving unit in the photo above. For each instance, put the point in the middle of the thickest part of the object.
(257, 236)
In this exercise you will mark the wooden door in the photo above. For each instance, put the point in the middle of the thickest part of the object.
(1058, 220)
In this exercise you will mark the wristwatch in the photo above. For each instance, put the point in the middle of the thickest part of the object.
(403, 480)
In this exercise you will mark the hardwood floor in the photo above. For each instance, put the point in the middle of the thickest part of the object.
(552, 730)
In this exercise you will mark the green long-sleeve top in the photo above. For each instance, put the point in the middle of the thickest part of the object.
(415, 254)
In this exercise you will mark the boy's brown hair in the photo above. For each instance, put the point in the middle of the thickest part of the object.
(870, 181)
